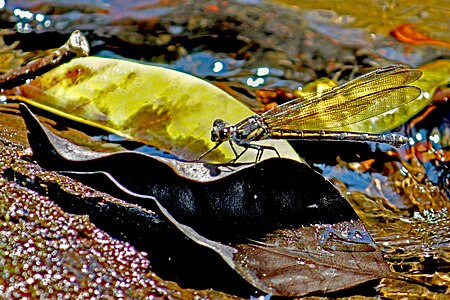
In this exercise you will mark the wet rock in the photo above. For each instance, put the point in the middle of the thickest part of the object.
(47, 252)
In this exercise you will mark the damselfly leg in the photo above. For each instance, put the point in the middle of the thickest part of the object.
(258, 147)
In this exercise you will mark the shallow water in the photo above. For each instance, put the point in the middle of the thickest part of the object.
(249, 47)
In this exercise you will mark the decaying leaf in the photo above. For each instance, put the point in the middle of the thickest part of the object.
(279, 224)
(408, 33)
(167, 109)
(372, 18)
(312, 259)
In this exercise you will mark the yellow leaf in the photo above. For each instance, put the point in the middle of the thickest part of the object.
(170, 110)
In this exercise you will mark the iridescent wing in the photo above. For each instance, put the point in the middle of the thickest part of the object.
(364, 97)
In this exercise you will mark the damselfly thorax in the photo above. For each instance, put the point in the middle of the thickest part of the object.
(320, 116)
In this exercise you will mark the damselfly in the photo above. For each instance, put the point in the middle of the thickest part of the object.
(320, 116)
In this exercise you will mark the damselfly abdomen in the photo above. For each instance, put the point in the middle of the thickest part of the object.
(321, 116)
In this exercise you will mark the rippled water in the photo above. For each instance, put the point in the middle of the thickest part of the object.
(250, 46)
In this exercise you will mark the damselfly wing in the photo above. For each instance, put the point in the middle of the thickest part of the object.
(323, 115)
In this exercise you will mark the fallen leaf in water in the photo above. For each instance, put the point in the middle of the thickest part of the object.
(312, 259)
(317, 86)
(164, 108)
(379, 17)
(435, 74)
(407, 33)
(12, 58)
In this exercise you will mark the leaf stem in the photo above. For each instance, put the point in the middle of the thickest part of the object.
(76, 46)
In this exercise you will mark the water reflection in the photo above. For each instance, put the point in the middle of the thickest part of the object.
(218, 66)
(255, 82)
(28, 21)
(435, 138)
(262, 71)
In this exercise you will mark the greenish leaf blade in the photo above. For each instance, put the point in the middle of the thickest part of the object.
(167, 109)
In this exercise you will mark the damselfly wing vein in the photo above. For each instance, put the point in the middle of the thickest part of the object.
(321, 116)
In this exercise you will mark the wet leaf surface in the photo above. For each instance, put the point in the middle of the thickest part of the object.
(291, 234)
(164, 108)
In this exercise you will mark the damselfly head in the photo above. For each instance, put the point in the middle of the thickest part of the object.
(221, 131)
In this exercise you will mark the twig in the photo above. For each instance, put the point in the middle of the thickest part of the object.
(76, 46)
